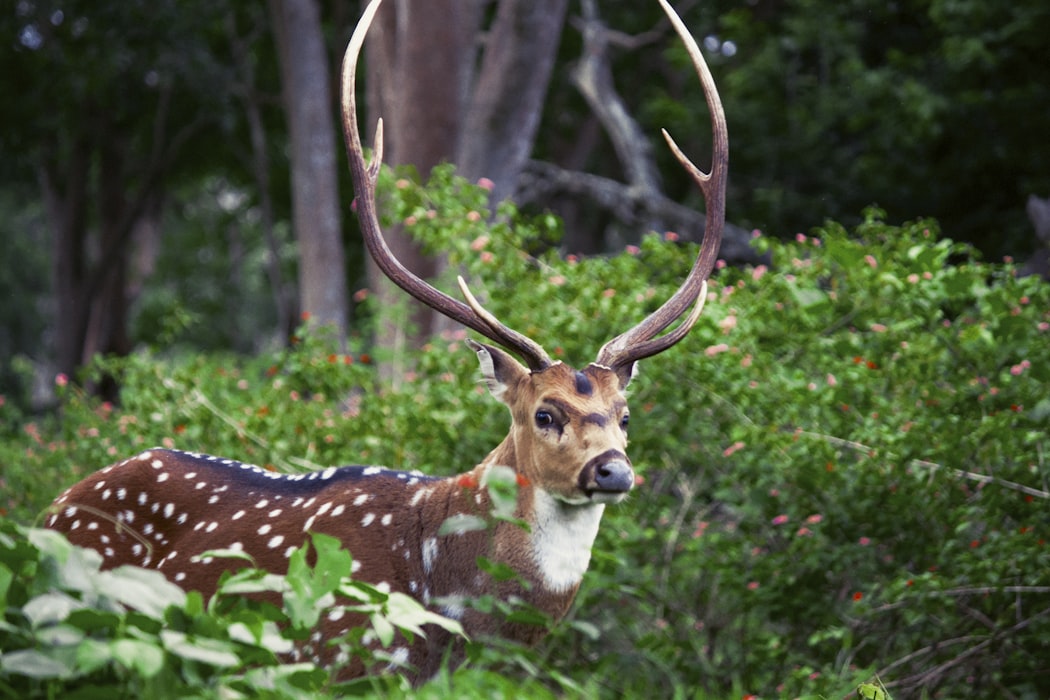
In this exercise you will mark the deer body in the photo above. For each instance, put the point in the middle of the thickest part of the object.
(566, 447)
(162, 509)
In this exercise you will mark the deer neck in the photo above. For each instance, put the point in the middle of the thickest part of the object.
(559, 536)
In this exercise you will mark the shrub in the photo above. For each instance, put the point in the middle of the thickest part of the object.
(844, 463)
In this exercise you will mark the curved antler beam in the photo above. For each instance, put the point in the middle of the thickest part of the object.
(640, 342)
(365, 175)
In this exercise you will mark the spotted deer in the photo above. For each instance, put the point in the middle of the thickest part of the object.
(566, 446)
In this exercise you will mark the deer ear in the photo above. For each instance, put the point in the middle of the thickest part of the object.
(499, 370)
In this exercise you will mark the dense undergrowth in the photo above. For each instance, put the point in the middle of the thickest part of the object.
(845, 478)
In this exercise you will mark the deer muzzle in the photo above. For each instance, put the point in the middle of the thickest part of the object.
(608, 474)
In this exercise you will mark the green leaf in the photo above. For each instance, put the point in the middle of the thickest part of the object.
(212, 652)
(461, 523)
(144, 590)
(144, 657)
(93, 654)
(50, 608)
(870, 691)
(35, 664)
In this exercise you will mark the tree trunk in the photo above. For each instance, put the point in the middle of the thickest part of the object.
(283, 293)
(507, 101)
(315, 194)
(420, 63)
(419, 57)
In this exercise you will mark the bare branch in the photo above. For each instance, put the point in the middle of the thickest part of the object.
(632, 207)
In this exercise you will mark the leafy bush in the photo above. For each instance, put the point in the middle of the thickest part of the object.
(71, 630)
(844, 464)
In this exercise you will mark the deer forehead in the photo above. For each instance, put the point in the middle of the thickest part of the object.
(591, 391)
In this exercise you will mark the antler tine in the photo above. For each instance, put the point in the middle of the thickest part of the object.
(365, 177)
(638, 342)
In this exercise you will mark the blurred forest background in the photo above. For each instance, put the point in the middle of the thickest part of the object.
(846, 462)
(173, 172)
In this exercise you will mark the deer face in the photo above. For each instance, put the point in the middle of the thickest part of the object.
(569, 432)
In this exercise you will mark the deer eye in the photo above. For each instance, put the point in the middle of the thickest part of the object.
(544, 419)
(625, 421)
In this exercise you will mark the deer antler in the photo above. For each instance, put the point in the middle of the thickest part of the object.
(365, 176)
(639, 342)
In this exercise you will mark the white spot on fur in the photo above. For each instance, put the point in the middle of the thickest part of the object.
(387, 519)
(562, 537)
(430, 551)
(275, 542)
(399, 657)
(238, 515)
(362, 499)
(367, 520)
(338, 510)
(265, 529)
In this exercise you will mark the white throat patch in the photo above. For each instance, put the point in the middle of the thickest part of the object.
(562, 537)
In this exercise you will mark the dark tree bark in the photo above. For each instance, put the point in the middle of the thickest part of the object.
(315, 195)
(97, 195)
(420, 66)
(507, 101)
(419, 56)
(284, 297)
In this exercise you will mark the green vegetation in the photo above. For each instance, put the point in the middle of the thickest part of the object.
(845, 478)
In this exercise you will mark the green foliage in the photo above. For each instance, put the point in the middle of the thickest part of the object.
(71, 630)
(833, 105)
(844, 464)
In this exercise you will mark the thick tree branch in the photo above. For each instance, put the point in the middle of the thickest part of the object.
(632, 206)
(593, 77)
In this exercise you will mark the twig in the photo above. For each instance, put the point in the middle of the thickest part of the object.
(933, 466)
(924, 677)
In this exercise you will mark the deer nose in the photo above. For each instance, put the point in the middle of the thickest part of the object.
(616, 475)
(609, 472)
